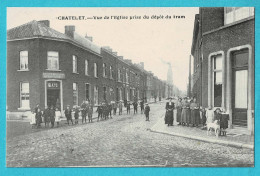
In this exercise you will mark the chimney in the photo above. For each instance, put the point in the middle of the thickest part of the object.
(89, 37)
(115, 53)
(69, 31)
(121, 57)
(45, 22)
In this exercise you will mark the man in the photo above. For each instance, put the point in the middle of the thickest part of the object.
(114, 107)
(110, 108)
(83, 108)
(142, 106)
(90, 112)
(46, 116)
(146, 111)
(68, 115)
(52, 116)
(135, 104)
(128, 107)
(100, 112)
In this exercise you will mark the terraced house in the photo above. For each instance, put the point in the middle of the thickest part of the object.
(223, 54)
(52, 68)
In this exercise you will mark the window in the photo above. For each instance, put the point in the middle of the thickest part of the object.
(95, 70)
(74, 64)
(119, 75)
(24, 60)
(86, 67)
(75, 94)
(127, 76)
(104, 70)
(24, 95)
(87, 92)
(53, 60)
(96, 95)
(217, 80)
(105, 93)
(111, 72)
(233, 14)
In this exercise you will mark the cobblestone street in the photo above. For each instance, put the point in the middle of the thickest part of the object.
(121, 141)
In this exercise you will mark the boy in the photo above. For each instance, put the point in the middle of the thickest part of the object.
(146, 111)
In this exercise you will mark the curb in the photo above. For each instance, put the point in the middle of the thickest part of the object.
(215, 141)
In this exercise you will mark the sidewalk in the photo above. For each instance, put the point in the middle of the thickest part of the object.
(233, 138)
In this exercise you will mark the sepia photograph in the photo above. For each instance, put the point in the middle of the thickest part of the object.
(130, 87)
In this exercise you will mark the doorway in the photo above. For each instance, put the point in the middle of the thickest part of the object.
(53, 94)
(240, 87)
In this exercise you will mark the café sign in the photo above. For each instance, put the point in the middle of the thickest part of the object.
(53, 84)
(53, 75)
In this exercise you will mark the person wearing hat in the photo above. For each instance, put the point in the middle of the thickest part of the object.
(52, 116)
(179, 109)
(147, 111)
(195, 113)
(68, 115)
(128, 107)
(185, 114)
(135, 104)
(99, 110)
(169, 113)
(76, 114)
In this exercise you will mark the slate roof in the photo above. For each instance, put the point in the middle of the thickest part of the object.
(38, 29)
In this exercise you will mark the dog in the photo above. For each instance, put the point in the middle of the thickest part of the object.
(215, 126)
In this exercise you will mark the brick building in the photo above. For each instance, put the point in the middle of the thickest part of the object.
(51, 68)
(223, 57)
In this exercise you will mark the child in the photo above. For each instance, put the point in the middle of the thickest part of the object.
(76, 114)
(210, 115)
(38, 117)
(146, 111)
(90, 113)
(57, 116)
(68, 115)
(33, 120)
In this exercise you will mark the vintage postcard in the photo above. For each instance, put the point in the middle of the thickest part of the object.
(130, 87)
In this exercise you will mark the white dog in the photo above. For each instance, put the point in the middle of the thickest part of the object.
(215, 126)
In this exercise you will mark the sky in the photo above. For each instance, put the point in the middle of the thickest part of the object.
(141, 40)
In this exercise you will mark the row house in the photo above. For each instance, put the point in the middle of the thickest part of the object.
(223, 56)
(51, 68)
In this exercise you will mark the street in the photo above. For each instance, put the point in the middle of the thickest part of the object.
(122, 141)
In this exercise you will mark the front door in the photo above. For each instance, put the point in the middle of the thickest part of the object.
(240, 87)
(53, 94)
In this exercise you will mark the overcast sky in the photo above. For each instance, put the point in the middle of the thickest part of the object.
(141, 40)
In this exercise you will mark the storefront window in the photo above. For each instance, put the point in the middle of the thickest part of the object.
(25, 95)
(24, 60)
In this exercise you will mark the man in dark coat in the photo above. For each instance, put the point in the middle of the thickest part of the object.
(135, 104)
(100, 112)
(142, 106)
(83, 108)
(169, 113)
(128, 107)
(68, 115)
(52, 116)
(46, 116)
(38, 116)
(147, 111)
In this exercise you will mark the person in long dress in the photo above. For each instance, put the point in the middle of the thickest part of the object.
(185, 115)
(169, 113)
(38, 117)
(57, 116)
(179, 109)
(195, 114)
(209, 115)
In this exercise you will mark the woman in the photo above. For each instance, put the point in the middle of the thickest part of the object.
(179, 109)
(185, 114)
(57, 116)
(38, 117)
(169, 113)
(195, 114)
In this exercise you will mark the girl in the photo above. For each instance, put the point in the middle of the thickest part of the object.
(57, 116)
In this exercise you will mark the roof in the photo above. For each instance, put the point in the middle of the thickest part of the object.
(38, 29)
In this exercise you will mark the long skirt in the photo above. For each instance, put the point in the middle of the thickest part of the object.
(178, 114)
(195, 117)
(185, 115)
(169, 117)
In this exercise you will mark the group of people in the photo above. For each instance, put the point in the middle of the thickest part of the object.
(52, 114)
(190, 113)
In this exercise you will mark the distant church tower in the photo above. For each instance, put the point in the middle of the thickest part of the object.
(169, 87)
